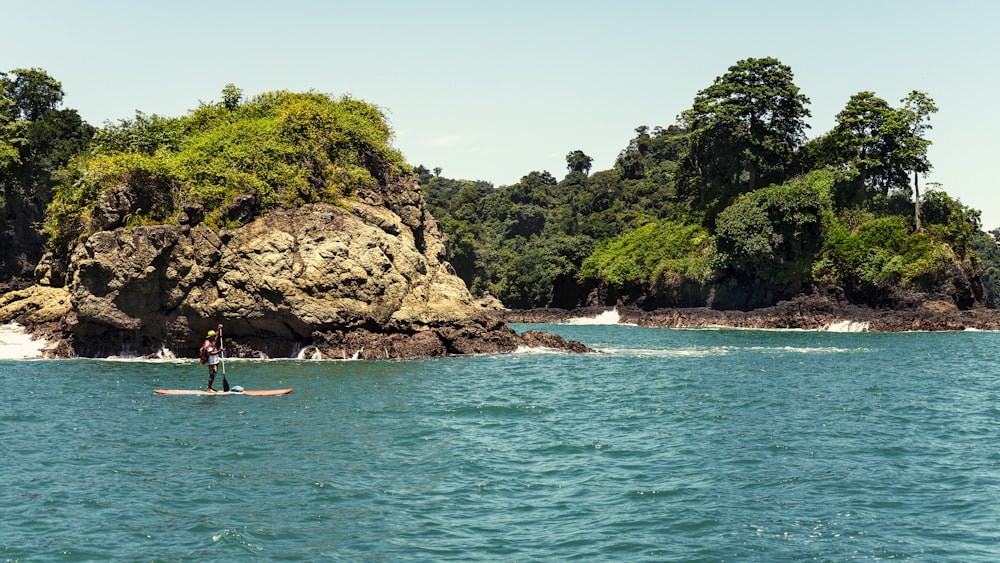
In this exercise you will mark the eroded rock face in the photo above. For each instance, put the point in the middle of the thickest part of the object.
(366, 281)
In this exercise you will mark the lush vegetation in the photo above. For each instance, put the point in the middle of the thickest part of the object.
(733, 195)
(986, 248)
(37, 138)
(732, 201)
(278, 149)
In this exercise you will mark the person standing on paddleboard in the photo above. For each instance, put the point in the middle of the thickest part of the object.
(210, 355)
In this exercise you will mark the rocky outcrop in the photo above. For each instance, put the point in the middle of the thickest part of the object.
(365, 279)
(805, 312)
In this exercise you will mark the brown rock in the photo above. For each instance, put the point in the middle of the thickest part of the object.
(806, 312)
(366, 279)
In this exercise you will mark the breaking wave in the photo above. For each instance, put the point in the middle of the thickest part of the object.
(846, 326)
(606, 318)
(17, 344)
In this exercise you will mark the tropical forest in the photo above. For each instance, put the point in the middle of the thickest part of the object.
(731, 205)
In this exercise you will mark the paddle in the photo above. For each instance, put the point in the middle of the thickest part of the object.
(222, 360)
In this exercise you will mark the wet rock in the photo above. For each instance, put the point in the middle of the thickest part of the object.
(806, 312)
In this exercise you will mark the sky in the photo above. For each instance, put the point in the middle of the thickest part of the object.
(495, 90)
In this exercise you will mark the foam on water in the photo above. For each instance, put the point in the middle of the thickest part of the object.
(312, 352)
(606, 318)
(165, 353)
(17, 344)
(307, 353)
(612, 317)
(538, 350)
(846, 326)
(725, 350)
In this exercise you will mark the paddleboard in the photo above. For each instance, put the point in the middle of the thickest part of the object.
(254, 392)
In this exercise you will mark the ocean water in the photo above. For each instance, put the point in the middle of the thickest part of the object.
(668, 445)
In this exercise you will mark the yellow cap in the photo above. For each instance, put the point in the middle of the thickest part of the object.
(211, 333)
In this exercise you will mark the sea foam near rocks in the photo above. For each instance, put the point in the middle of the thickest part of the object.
(17, 344)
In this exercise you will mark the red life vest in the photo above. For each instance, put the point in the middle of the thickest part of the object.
(207, 348)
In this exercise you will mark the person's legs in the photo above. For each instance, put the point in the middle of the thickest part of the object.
(211, 376)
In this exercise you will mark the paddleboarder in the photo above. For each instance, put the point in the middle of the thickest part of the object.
(210, 351)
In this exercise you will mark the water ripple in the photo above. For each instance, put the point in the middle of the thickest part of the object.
(671, 445)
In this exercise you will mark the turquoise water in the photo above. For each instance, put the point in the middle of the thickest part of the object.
(670, 445)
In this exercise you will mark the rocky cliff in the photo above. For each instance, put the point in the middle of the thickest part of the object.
(363, 279)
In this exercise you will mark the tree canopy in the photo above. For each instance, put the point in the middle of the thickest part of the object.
(742, 131)
(278, 149)
(730, 197)
(37, 138)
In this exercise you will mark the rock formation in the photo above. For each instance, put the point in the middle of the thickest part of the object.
(805, 312)
(363, 279)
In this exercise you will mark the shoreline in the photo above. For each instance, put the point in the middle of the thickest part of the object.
(811, 313)
(807, 313)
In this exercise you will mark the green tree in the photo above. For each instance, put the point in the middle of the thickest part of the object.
(32, 91)
(949, 221)
(915, 115)
(858, 139)
(632, 160)
(535, 188)
(884, 144)
(11, 132)
(577, 161)
(50, 142)
(988, 251)
(231, 97)
(142, 134)
(774, 234)
(744, 129)
(526, 220)
(36, 138)
(538, 267)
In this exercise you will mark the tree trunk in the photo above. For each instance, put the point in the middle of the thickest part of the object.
(916, 201)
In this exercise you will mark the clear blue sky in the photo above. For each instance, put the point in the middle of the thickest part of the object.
(494, 90)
